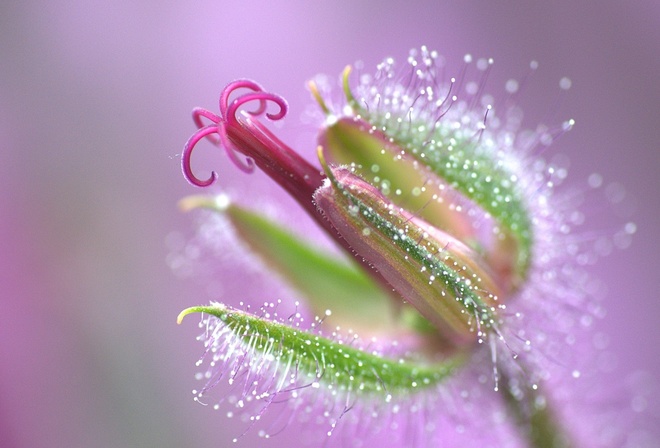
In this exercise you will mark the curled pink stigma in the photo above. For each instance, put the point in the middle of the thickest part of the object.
(217, 130)
(234, 86)
(261, 96)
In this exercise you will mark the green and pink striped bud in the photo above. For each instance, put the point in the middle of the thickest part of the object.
(445, 280)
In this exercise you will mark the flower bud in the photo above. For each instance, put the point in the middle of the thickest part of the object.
(384, 164)
(440, 171)
(437, 273)
(446, 213)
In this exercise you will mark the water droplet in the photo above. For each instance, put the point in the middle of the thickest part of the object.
(511, 86)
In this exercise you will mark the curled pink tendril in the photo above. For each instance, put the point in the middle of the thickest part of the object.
(216, 131)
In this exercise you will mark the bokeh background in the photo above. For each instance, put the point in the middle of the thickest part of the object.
(95, 101)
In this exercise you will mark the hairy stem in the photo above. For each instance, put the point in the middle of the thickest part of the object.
(535, 418)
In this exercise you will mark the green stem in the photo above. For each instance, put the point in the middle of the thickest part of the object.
(535, 418)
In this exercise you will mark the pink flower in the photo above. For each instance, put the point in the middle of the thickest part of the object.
(461, 296)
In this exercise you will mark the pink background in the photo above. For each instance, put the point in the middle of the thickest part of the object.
(95, 104)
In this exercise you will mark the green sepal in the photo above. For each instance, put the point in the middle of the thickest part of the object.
(433, 271)
(454, 155)
(400, 178)
(327, 282)
(327, 361)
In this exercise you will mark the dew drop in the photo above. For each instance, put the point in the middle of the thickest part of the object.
(511, 86)
(565, 83)
(595, 180)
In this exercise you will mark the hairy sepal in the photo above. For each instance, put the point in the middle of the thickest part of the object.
(438, 274)
(399, 177)
(287, 358)
(455, 151)
(327, 282)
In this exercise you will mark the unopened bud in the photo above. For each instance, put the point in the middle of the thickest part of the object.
(441, 172)
(437, 273)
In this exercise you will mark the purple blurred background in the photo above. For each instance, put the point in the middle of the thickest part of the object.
(95, 104)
